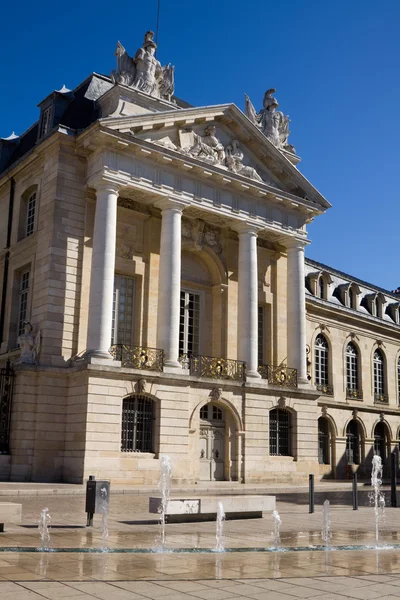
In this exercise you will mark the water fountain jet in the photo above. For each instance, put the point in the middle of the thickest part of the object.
(377, 497)
(219, 547)
(164, 485)
(44, 524)
(326, 533)
(277, 528)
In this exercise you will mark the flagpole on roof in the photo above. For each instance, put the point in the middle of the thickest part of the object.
(158, 20)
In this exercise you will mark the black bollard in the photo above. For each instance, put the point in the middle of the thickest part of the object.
(393, 477)
(355, 491)
(311, 493)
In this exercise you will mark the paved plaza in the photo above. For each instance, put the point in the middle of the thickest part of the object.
(239, 575)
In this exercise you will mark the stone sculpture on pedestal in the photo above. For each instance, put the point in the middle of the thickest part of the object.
(274, 124)
(29, 344)
(144, 72)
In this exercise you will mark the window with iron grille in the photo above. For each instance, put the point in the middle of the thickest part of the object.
(122, 315)
(379, 382)
(351, 367)
(189, 323)
(261, 335)
(137, 424)
(279, 432)
(321, 350)
(353, 443)
(23, 301)
(30, 214)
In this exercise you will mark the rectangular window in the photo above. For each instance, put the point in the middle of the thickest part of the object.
(23, 301)
(30, 214)
(261, 335)
(122, 316)
(46, 121)
(189, 324)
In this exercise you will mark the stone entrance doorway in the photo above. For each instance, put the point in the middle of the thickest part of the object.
(212, 443)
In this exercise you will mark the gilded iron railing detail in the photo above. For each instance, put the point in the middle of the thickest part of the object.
(354, 394)
(281, 375)
(138, 357)
(324, 388)
(214, 367)
(263, 371)
(381, 399)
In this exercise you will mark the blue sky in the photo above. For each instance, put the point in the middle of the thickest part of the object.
(335, 66)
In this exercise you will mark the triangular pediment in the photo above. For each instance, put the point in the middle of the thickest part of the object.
(224, 138)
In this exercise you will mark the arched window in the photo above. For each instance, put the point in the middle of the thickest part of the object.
(321, 350)
(352, 385)
(137, 424)
(323, 441)
(353, 443)
(379, 375)
(321, 287)
(279, 432)
(381, 441)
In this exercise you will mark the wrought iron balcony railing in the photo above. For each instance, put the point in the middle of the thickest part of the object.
(213, 367)
(324, 388)
(138, 357)
(280, 375)
(381, 399)
(354, 394)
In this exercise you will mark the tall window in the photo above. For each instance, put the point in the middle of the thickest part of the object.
(122, 317)
(23, 301)
(279, 432)
(189, 323)
(137, 424)
(261, 335)
(323, 441)
(398, 379)
(351, 367)
(46, 121)
(321, 351)
(379, 381)
(353, 443)
(30, 214)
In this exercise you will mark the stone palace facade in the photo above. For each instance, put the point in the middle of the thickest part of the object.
(155, 298)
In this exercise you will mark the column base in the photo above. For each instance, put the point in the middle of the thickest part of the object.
(99, 357)
(253, 375)
(303, 380)
(172, 364)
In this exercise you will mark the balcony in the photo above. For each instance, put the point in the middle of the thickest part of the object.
(354, 394)
(281, 375)
(324, 388)
(138, 357)
(213, 367)
(381, 399)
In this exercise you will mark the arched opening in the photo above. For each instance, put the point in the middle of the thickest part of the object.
(218, 443)
(137, 431)
(379, 376)
(280, 432)
(352, 371)
(321, 361)
(381, 441)
(324, 441)
(353, 443)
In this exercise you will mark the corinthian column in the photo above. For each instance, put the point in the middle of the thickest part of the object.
(169, 281)
(102, 271)
(248, 298)
(296, 309)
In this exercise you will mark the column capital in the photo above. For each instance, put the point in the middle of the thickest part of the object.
(169, 204)
(293, 243)
(243, 227)
(103, 183)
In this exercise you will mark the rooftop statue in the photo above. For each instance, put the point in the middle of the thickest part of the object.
(144, 72)
(273, 123)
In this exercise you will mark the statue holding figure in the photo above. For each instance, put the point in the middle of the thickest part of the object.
(29, 344)
(144, 72)
(234, 162)
(273, 123)
(207, 146)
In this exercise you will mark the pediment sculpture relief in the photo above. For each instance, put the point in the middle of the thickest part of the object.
(273, 123)
(208, 147)
(196, 233)
(144, 72)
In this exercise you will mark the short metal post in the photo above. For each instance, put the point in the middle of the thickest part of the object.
(311, 492)
(393, 477)
(355, 491)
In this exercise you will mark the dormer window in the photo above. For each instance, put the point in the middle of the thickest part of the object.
(321, 288)
(352, 298)
(393, 311)
(374, 303)
(45, 125)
